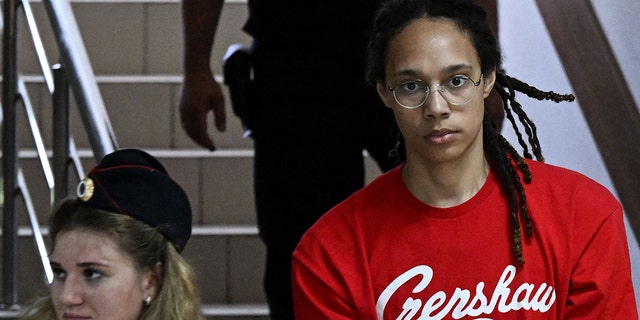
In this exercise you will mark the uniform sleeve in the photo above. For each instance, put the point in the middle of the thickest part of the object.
(601, 286)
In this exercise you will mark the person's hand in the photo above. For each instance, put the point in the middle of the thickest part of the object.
(200, 95)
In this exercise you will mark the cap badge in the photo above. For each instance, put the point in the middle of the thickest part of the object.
(85, 189)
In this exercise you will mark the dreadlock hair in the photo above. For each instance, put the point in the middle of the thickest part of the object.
(510, 166)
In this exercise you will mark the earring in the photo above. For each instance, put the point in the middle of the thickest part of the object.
(147, 301)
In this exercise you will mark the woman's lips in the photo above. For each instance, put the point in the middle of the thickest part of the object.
(69, 316)
(441, 136)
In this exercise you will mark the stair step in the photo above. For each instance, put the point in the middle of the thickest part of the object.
(210, 311)
(143, 111)
(219, 184)
(228, 261)
(7, 314)
(146, 39)
(212, 230)
(236, 310)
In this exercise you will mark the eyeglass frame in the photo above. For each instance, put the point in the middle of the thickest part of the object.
(439, 88)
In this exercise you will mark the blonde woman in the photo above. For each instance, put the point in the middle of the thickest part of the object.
(116, 247)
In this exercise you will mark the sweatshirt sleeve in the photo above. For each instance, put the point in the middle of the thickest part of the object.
(600, 285)
(314, 295)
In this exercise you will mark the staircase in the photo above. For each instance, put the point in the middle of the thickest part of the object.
(135, 47)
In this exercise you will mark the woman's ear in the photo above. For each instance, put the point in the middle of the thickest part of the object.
(152, 280)
(383, 92)
(489, 81)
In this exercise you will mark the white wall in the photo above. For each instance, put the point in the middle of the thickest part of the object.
(564, 135)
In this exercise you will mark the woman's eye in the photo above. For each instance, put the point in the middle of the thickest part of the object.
(91, 274)
(58, 274)
(410, 86)
(457, 81)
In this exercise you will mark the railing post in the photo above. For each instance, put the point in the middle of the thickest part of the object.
(61, 143)
(9, 157)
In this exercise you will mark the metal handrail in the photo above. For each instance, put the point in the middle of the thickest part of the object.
(35, 226)
(76, 73)
(9, 155)
(35, 133)
(37, 42)
(81, 77)
(48, 173)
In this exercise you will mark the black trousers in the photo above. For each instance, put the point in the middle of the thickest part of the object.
(311, 124)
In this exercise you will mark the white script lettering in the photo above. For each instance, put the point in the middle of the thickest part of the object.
(462, 303)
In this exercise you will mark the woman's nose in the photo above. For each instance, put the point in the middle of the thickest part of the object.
(71, 292)
(436, 106)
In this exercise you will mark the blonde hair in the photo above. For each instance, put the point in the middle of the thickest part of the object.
(177, 298)
(40, 309)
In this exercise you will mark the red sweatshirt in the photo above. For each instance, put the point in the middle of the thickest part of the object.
(382, 254)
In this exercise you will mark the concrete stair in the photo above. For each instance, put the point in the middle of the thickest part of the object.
(135, 47)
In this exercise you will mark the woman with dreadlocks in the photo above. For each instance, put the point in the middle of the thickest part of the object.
(465, 227)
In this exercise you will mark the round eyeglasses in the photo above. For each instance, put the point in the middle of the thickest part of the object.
(456, 90)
